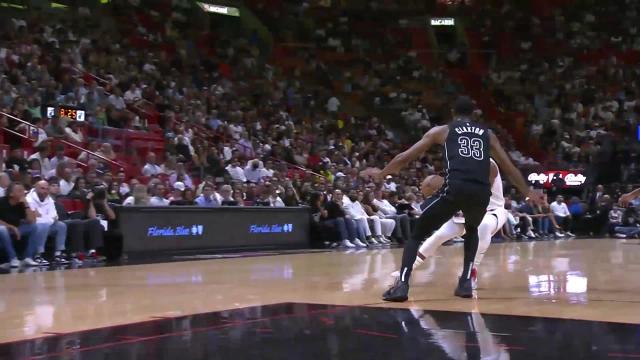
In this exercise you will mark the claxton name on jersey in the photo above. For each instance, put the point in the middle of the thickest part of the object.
(469, 129)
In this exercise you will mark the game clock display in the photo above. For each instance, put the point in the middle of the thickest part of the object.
(71, 112)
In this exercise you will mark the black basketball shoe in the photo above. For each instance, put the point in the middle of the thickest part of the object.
(399, 292)
(464, 289)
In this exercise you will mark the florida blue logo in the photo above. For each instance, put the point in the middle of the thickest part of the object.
(270, 229)
(165, 231)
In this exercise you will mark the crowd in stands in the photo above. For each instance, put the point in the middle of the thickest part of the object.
(242, 131)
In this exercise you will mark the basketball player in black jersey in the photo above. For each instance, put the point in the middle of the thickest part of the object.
(468, 145)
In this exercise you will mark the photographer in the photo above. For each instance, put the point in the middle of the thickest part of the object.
(82, 234)
(99, 208)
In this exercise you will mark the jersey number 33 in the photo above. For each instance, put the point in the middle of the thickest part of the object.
(471, 147)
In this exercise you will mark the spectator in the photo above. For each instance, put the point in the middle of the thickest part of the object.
(180, 175)
(64, 172)
(388, 211)
(208, 198)
(124, 188)
(132, 95)
(333, 105)
(16, 161)
(615, 219)
(85, 156)
(42, 155)
(151, 168)
(47, 222)
(594, 200)
(562, 215)
(236, 172)
(113, 193)
(157, 195)
(98, 208)
(382, 227)
(291, 197)
(337, 218)
(321, 233)
(56, 126)
(74, 132)
(38, 134)
(35, 169)
(82, 234)
(183, 149)
(5, 181)
(18, 220)
(253, 173)
(273, 195)
(58, 158)
(79, 191)
(182, 196)
(106, 151)
(389, 184)
(139, 197)
(226, 196)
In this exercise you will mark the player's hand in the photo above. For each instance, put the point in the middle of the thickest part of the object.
(374, 173)
(537, 197)
(625, 200)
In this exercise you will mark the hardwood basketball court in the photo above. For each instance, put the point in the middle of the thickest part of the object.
(595, 280)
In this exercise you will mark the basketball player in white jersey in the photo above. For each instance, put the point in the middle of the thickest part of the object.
(492, 222)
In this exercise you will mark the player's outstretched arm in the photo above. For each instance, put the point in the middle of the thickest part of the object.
(628, 197)
(437, 135)
(512, 173)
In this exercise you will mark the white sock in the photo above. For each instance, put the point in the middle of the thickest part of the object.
(419, 261)
(57, 253)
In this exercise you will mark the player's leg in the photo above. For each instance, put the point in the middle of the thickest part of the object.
(447, 231)
(439, 211)
(474, 211)
(488, 227)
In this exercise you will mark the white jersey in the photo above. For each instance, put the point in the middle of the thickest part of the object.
(496, 201)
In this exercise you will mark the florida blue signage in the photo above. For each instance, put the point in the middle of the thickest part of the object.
(186, 227)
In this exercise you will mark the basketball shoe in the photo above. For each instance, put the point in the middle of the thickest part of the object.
(399, 292)
(464, 289)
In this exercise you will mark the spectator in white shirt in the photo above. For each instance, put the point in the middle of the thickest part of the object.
(151, 168)
(181, 175)
(116, 99)
(73, 132)
(402, 231)
(139, 196)
(389, 185)
(133, 94)
(333, 104)
(268, 169)
(42, 154)
(561, 213)
(274, 195)
(47, 220)
(157, 196)
(356, 211)
(236, 172)
(253, 172)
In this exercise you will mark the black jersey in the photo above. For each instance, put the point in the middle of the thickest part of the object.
(467, 153)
